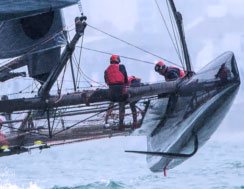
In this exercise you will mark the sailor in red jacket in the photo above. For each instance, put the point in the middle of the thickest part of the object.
(169, 72)
(115, 74)
(116, 78)
(132, 82)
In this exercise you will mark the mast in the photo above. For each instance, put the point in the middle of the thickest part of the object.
(80, 27)
(179, 23)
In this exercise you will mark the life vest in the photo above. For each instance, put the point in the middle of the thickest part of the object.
(173, 73)
(113, 75)
(134, 81)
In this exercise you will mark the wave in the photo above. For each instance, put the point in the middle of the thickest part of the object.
(14, 186)
(97, 185)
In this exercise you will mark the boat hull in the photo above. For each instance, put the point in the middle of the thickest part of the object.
(199, 106)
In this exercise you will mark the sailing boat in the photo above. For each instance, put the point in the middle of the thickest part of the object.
(178, 116)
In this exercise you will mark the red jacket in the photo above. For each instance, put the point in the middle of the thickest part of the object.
(114, 75)
(134, 81)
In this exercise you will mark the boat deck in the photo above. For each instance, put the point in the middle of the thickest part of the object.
(69, 135)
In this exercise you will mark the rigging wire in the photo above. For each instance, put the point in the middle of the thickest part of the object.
(108, 53)
(80, 7)
(78, 122)
(23, 130)
(87, 77)
(74, 125)
(81, 72)
(28, 87)
(77, 64)
(59, 121)
(21, 91)
(54, 119)
(77, 76)
(177, 39)
(167, 28)
(130, 44)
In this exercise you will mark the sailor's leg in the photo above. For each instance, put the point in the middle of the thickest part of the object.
(121, 114)
(134, 114)
(109, 111)
(30, 124)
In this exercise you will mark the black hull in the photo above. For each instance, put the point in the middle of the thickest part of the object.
(199, 106)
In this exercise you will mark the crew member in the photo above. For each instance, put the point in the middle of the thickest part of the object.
(169, 72)
(116, 78)
(134, 82)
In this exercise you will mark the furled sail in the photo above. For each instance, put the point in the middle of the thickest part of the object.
(41, 64)
(31, 34)
(11, 9)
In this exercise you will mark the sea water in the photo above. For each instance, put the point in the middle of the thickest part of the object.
(103, 164)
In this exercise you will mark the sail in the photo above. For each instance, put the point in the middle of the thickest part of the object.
(41, 64)
(31, 34)
(11, 9)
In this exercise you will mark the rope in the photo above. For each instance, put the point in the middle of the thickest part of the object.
(130, 44)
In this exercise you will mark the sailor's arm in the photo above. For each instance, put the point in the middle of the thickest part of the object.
(105, 77)
(124, 72)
